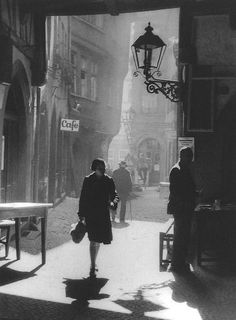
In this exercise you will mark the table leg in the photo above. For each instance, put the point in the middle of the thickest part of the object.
(17, 237)
(199, 241)
(43, 239)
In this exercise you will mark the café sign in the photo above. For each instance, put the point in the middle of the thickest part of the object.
(69, 125)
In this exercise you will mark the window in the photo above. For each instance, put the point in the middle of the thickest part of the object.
(74, 68)
(83, 78)
(110, 155)
(62, 41)
(200, 105)
(99, 21)
(94, 68)
(93, 81)
(96, 20)
(123, 154)
(93, 88)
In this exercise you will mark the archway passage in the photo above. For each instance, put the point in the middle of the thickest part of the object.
(13, 173)
(149, 153)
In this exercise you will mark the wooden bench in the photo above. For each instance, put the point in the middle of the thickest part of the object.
(5, 240)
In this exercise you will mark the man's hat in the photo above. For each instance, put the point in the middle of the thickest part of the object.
(123, 163)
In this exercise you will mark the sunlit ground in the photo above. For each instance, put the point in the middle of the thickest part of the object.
(128, 280)
(129, 268)
(129, 284)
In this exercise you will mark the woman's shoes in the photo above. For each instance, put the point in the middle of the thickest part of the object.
(93, 272)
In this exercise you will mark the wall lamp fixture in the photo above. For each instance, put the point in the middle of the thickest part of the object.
(148, 51)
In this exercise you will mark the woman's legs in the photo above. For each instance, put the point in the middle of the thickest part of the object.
(94, 247)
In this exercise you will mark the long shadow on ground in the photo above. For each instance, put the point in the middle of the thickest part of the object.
(205, 294)
(85, 289)
(8, 275)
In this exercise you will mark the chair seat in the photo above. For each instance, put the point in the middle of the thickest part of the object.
(6, 223)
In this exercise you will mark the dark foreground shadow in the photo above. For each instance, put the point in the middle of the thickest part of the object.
(8, 275)
(85, 289)
(210, 297)
(189, 288)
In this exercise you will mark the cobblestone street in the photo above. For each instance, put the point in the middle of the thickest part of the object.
(129, 283)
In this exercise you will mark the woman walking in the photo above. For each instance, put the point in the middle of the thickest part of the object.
(98, 195)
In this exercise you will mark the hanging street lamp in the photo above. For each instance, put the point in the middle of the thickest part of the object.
(148, 51)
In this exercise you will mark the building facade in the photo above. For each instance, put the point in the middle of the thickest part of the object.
(54, 68)
(208, 52)
(22, 69)
(99, 58)
(53, 154)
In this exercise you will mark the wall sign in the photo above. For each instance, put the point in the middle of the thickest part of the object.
(186, 142)
(69, 125)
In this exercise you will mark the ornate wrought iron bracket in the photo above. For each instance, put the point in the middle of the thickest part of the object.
(170, 88)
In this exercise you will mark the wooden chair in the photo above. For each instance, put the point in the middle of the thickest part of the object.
(5, 240)
(166, 243)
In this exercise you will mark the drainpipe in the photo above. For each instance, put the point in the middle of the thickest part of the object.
(4, 88)
(36, 121)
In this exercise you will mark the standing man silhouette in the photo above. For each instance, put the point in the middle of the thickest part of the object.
(123, 185)
(181, 205)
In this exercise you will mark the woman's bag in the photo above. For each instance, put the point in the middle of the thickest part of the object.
(78, 231)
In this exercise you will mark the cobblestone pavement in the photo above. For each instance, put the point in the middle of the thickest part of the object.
(129, 283)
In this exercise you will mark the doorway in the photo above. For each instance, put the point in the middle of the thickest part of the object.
(150, 149)
(13, 173)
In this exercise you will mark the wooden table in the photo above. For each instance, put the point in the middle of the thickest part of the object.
(18, 210)
(218, 225)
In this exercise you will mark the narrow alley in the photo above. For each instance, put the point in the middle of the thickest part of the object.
(129, 284)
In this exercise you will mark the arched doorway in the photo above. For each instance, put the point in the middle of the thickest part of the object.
(13, 174)
(149, 149)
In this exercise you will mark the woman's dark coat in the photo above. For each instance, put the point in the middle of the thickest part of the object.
(95, 197)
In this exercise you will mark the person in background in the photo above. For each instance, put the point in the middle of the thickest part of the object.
(98, 195)
(142, 168)
(123, 185)
(181, 204)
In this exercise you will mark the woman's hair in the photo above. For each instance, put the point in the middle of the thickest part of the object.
(96, 163)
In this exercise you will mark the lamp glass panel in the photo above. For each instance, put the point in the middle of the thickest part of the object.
(157, 56)
(141, 58)
(135, 57)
